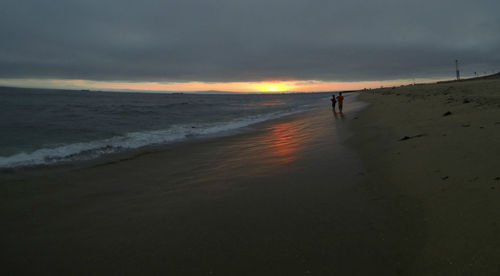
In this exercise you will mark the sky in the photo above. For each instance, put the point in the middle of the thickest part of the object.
(235, 45)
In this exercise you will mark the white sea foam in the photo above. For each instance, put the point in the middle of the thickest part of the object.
(132, 140)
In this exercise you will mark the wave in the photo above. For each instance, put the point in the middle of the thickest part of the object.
(132, 140)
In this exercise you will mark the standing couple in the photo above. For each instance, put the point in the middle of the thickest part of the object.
(340, 100)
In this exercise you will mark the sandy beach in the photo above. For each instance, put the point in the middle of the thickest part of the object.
(408, 186)
(433, 150)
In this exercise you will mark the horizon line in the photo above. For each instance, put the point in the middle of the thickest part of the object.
(274, 86)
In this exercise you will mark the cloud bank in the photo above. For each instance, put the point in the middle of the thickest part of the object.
(228, 40)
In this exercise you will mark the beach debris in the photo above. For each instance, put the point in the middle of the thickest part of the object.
(497, 178)
(448, 113)
(414, 136)
(466, 101)
(445, 177)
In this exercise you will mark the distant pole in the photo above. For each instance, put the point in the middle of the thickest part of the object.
(456, 68)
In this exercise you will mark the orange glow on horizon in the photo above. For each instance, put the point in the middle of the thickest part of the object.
(258, 86)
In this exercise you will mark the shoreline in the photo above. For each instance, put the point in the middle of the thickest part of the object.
(132, 153)
(91, 148)
(433, 150)
(286, 198)
(129, 153)
(104, 124)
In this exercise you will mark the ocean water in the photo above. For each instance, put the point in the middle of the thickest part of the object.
(41, 126)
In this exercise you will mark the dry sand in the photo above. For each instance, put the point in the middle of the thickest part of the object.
(433, 152)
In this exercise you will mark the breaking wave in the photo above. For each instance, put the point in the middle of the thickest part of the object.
(131, 140)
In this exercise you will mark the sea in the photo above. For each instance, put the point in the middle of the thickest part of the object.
(44, 126)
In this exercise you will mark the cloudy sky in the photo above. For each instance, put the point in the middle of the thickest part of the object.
(187, 42)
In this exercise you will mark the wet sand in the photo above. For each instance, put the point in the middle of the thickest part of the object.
(286, 198)
(434, 150)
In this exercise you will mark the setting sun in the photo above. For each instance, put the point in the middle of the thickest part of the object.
(274, 86)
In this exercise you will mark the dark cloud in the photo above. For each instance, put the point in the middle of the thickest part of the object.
(230, 40)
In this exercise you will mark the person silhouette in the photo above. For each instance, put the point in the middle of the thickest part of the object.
(333, 102)
(340, 99)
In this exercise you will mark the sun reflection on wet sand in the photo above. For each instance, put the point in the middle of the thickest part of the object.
(277, 148)
(284, 141)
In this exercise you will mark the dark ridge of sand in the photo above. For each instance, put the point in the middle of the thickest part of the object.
(488, 77)
(285, 199)
(435, 148)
